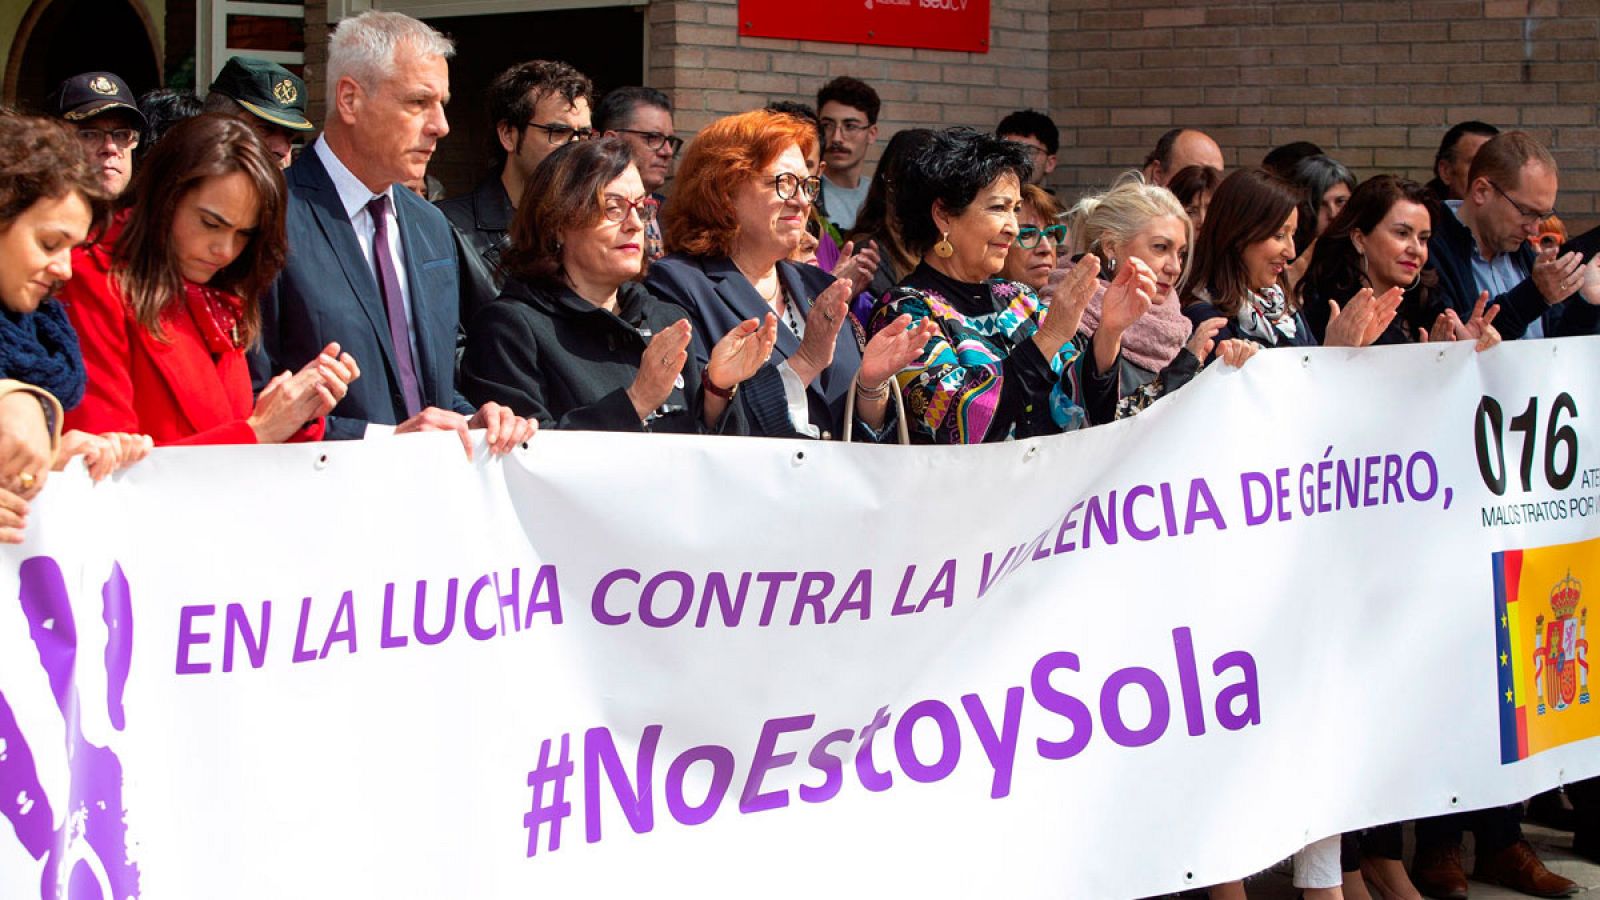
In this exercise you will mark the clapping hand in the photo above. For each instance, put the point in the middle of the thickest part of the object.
(1066, 295)
(1478, 328)
(1129, 297)
(741, 352)
(1363, 319)
(857, 265)
(660, 368)
(822, 330)
(895, 346)
(1557, 277)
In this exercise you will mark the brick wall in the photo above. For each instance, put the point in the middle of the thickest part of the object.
(1374, 83)
(709, 70)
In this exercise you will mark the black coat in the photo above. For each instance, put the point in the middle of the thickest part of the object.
(1450, 252)
(551, 355)
(480, 222)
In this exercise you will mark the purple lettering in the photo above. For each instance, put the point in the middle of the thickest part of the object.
(1001, 746)
(752, 799)
(721, 760)
(188, 637)
(1111, 706)
(597, 604)
(600, 758)
(1064, 705)
(238, 626)
(831, 767)
(813, 587)
(871, 778)
(647, 606)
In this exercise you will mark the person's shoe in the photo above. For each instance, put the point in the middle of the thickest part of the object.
(1519, 868)
(1437, 873)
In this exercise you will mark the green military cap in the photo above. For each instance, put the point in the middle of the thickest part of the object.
(269, 91)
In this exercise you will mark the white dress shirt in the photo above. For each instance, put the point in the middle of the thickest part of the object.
(354, 197)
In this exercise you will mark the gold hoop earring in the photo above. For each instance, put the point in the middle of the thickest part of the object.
(944, 249)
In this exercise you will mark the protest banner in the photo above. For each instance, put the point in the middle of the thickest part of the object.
(1328, 590)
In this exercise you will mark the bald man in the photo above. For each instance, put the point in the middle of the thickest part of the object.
(1179, 149)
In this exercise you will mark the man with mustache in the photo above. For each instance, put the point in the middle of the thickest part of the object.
(371, 265)
(848, 108)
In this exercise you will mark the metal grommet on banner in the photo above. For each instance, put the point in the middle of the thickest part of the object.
(1455, 801)
(321, 463)
(1441, 356)
(1305, 361)
(1030, 454)
(799, 458)
(1188, 878)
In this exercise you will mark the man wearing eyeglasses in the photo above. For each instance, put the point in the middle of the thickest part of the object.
(107, 118)
(642, 117)
(1037, 132)
(848, 108)
(1483, 244)
(536, 107)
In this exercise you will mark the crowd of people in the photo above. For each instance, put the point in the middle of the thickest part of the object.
(174, 270)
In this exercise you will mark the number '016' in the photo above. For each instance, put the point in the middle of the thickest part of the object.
(1560, 443)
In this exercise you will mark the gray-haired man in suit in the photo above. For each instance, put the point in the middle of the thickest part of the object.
(371, 265)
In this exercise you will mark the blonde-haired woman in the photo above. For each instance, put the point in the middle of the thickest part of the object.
(1160, 352)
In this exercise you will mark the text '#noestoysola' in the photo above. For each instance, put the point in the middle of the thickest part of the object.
(1235, 704)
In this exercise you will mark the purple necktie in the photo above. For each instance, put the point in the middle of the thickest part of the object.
(394, 303)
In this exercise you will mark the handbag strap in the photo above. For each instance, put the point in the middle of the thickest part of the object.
(902, 430)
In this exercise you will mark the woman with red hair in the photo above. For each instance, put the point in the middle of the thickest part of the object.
(737, 211)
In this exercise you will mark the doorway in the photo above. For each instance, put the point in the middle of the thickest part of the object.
(61, 38)
(606, 44)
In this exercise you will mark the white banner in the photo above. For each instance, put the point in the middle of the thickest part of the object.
(1330, 590)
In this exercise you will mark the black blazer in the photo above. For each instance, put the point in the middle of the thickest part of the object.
(717, 297)
(327, 292)
(479, 223)
(553, 356)
(1450, 252)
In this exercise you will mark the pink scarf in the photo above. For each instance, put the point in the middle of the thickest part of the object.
(1153, 341)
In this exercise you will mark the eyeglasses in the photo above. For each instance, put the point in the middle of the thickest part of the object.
(616, 208)
(789, 184)
(122, 137)
(655, 139)
(1528, 215)
(558, 135)
(1028, 235)
(849, 127)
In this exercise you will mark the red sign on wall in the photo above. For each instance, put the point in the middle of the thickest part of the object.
(931, 24)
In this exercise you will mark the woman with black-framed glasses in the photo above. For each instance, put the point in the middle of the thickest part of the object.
(574, 340)
(738, 210)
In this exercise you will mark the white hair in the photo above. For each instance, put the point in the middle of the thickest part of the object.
(365, 47)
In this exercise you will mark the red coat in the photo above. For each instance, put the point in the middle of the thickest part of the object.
(176, 389)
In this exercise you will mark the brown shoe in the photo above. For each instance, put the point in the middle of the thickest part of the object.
(1518, 867)
(1437, 873)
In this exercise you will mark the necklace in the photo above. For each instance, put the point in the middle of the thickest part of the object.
(777, 288)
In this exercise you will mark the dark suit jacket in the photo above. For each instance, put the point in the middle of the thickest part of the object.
(1450, 251)
(480, 222)
(328, 292)
(718, 297)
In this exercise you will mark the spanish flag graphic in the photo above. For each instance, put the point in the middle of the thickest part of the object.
(1542, 599)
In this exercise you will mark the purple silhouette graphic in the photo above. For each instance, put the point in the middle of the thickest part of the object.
(87, 857)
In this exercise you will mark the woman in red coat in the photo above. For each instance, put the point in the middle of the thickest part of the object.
(166, 302)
